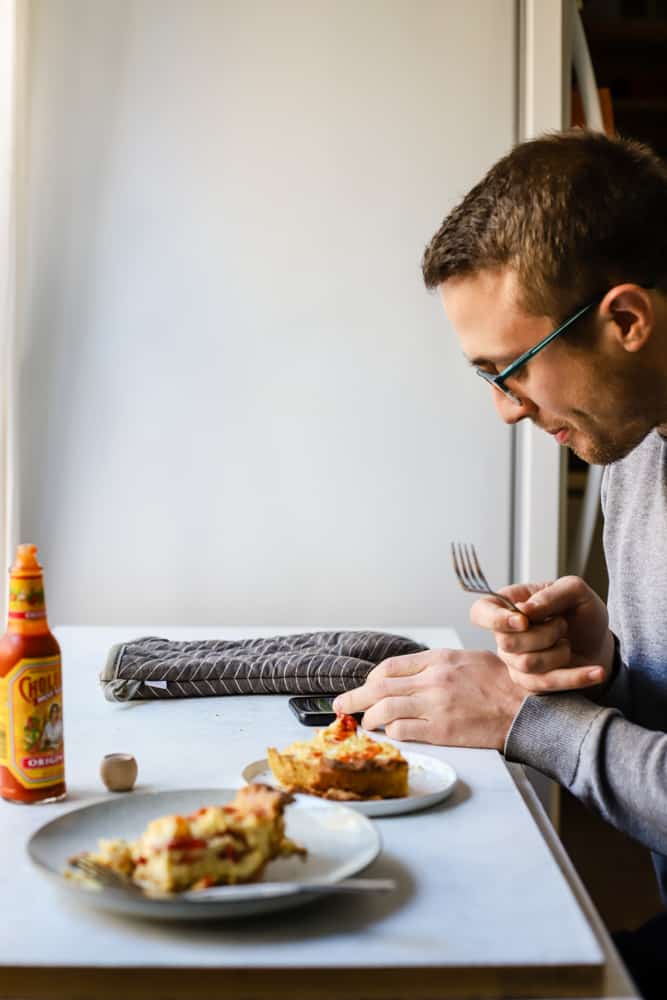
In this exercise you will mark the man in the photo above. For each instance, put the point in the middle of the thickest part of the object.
(553, 272)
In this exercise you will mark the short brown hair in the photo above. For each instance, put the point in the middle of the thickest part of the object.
(573, 213)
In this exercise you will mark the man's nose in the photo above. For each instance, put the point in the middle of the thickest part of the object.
(511, 412)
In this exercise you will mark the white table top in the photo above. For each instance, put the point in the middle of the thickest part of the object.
(479, 884)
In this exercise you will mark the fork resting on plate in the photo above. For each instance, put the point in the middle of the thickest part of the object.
(107, 878)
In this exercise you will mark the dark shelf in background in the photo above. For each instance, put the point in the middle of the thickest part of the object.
(628, 54)
(625, 32)
(628, 49)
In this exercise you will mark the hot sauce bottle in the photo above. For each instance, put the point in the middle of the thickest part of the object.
(31, 715)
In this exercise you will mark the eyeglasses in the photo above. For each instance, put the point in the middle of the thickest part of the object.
(498, 381)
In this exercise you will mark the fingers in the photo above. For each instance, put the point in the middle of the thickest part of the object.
(488, 613)
(416, 730)
(541, 662)
(388, 710)
(537, 602)
(568, 679)
(538, 637)
(558, 598)
(394, 676)
(518, 592)
(400, 718)
(357, 700)
(404, 666)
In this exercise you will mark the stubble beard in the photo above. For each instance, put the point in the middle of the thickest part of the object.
(639, 407)
(605, 452)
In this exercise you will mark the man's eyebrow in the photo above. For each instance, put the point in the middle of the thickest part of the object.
(479, 362)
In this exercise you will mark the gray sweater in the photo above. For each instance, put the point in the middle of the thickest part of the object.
(612, 752)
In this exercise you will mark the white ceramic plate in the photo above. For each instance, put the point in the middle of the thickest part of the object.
(340, 843)
(429, 781)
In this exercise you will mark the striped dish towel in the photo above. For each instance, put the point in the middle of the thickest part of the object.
(307, 663)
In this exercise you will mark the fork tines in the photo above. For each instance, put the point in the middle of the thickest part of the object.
(471, 578)
(99, 872)
(468, 570)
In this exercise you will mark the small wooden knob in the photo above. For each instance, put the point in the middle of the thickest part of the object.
(119, 771)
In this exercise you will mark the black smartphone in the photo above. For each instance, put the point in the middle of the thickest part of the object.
(315, 709)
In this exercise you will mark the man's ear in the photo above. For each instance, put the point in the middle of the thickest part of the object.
(629, 311)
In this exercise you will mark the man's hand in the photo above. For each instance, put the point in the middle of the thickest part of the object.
(442, 696)
(560, 642)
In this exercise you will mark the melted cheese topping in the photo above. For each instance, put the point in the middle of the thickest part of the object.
(344, 741)
(229, 843)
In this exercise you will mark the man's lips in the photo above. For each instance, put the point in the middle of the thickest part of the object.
(560, 433)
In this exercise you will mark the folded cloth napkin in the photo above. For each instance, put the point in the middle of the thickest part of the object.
(307, 663)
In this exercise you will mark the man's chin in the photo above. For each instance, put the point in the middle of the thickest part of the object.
(585, 450)
(599, 452)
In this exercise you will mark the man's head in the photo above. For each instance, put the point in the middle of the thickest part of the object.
(560, 222)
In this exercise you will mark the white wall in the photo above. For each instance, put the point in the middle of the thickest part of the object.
(238, 403)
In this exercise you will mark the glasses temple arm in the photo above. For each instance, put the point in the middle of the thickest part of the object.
(527, 355)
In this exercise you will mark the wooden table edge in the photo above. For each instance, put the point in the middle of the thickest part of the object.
(409, 982)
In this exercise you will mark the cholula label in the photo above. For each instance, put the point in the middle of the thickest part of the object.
(31, 722)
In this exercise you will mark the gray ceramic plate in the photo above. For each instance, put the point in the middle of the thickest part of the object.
(340, 844)
(429, 781)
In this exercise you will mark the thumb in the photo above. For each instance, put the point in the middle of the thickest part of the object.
(557, 598)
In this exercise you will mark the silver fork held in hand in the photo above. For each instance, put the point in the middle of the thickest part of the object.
(471, 578)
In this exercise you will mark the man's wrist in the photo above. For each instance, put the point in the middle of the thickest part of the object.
(512, 708)
(612, 665)
(610, 656)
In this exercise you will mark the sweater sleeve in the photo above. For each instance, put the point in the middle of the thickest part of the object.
(616, 767)
(617, 692)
